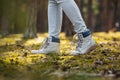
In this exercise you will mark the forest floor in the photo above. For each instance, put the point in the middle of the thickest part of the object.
(17, 63)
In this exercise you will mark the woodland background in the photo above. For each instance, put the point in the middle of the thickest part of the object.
(30, 16)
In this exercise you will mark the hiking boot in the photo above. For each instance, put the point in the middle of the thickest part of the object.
(50, 45)
(85, 43)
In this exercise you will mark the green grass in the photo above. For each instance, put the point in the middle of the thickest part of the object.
(17, 63)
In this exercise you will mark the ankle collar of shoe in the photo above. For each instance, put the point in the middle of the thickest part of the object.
(54, 39)
(86, 33)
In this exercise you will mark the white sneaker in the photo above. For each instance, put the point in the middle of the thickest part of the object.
(51, 45)
(85, 44)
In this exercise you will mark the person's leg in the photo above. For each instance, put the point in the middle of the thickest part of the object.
(85, 43)
(72, 11)
(52, 42)
(54, 18)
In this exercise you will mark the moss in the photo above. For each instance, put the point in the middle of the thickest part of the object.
(16, 59)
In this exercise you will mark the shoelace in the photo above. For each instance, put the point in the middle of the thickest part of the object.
(44, 43)
(80, 42)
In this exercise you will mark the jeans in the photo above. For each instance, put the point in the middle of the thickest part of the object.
(55, 8)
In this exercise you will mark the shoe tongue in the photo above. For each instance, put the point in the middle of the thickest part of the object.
(49, 39)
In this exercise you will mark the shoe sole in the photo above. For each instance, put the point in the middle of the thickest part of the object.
(88, 51)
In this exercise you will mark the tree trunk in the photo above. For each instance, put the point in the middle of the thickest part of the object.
(4, 19)
(81, 6)
(42, 22)
(111, 18)
(117, 14)
(90, 15)
(4, 26)
(30, 31)
(67, 26)
(107, 14)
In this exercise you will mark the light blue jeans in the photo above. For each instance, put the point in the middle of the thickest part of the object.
(55, 8)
